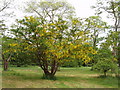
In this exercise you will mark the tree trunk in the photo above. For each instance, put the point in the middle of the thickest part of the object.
(5, 65)
(105, 74)
(119, 53)
(48, 75)
(44, 64)
(6, 61)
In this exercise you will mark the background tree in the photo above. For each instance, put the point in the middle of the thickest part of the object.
(104, 65)
(8, 49)
(96, 27)
(50, 10)
(4, 5)
(112, 8)
(105, 61)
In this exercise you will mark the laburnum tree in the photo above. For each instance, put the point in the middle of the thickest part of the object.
(14, 52)
(8, 50)
(4, 5)
(52, 43)
(52, 36)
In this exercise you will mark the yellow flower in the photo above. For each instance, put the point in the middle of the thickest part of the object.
(42, 34)
(14, 44)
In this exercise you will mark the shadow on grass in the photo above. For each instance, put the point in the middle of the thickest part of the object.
(103, 76)
(24, 76)
(108, 81)
(39, 76)
(35, 76)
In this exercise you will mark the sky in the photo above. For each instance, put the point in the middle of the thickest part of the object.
(82, 7)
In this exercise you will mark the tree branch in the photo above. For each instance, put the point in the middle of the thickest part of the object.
(6, 4)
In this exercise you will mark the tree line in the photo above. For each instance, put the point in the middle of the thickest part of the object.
(54, 36)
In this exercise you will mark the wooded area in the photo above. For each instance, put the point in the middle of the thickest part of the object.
(53, 37)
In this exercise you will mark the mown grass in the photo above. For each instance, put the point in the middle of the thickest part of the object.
(0, 77)
(30, 77)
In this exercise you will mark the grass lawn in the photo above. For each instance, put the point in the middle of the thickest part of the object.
(0, 77)
(30, 77)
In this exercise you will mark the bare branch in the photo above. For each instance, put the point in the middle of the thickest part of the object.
(9, 58)
(37, 12)
(6, 4)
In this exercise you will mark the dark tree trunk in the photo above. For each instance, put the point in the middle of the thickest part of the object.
(105, 73)
(6, 61)
(5, 65)
(48, 74)
(44, 64)
(119, 54)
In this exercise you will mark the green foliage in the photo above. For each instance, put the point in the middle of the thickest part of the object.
(70, 64)
(48, 43)
(103, 52)
(7, 49)
(55, 38)
(18, 54)
(105, 61)
(104, 65)
(73, 63)
(112, 9)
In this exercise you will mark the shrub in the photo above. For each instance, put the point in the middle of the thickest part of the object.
(104, 65)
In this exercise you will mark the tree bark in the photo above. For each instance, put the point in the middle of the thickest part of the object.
(5, 65)
(44, 64)
(105, 73)
(6, 61)
(50, 74)
(119, 54)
